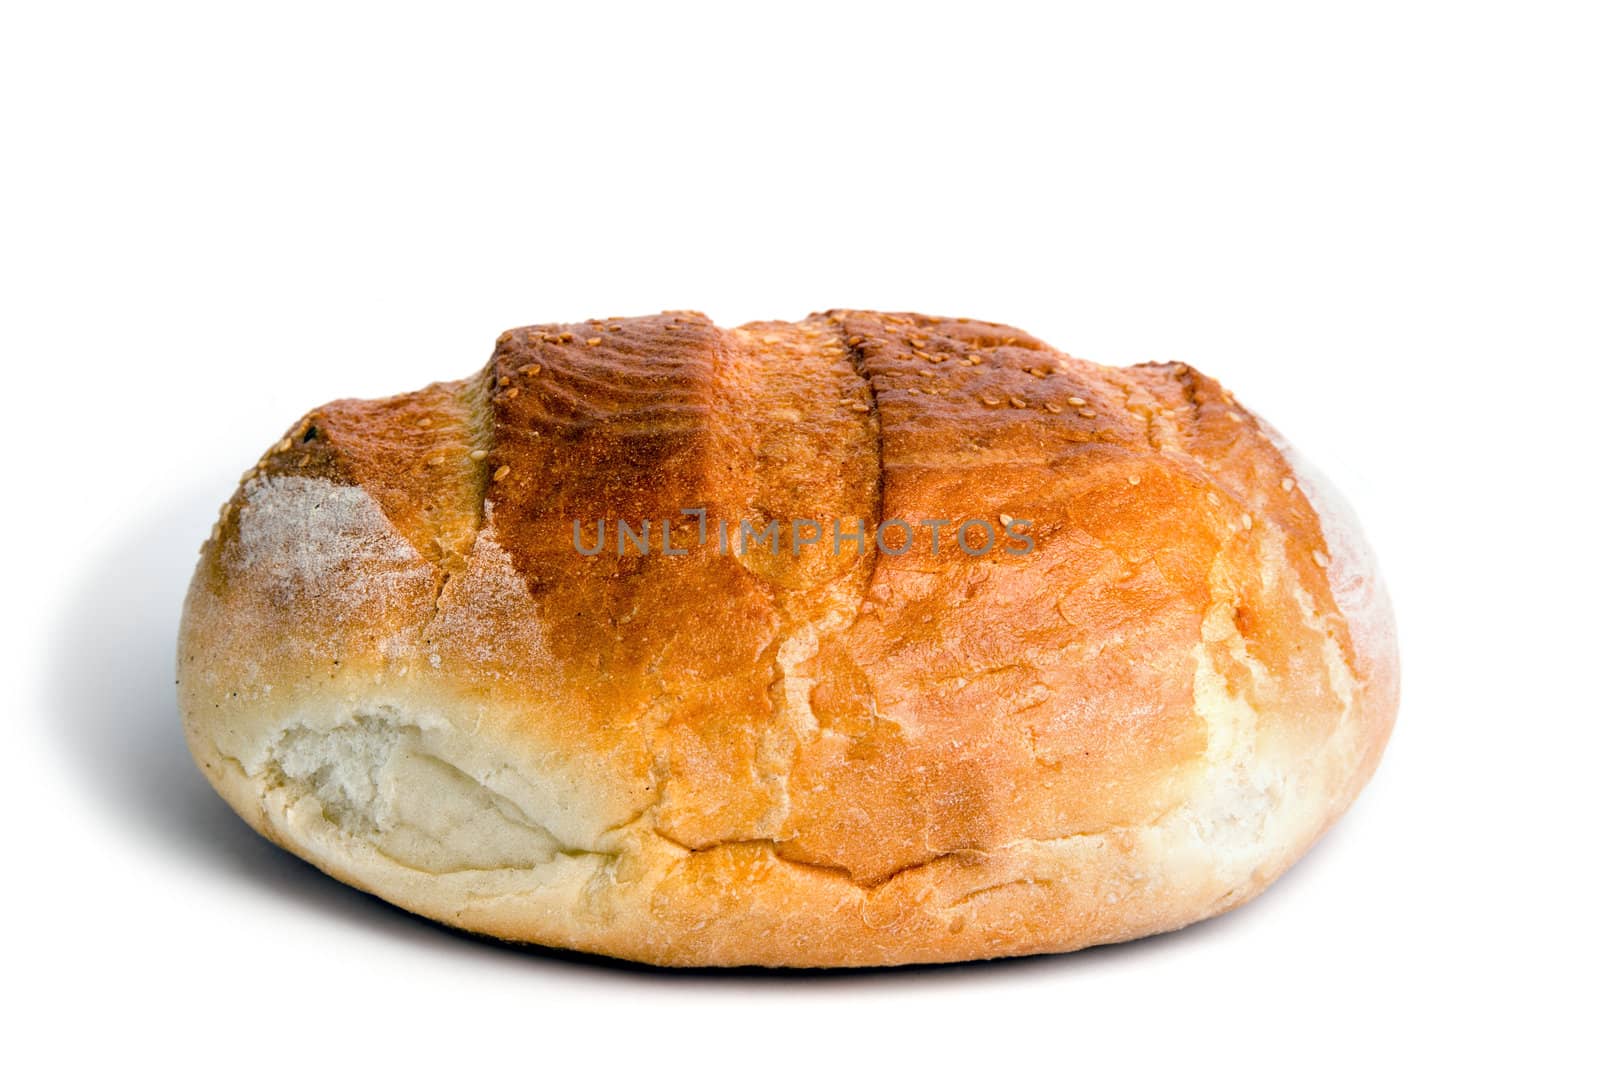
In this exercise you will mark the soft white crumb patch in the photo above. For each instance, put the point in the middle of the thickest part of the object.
(385, 783)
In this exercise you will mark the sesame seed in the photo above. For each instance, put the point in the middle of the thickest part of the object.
(532, 369)
(1288, 484)
(917, 343)
(925, 373)
(564, 337)
(853, 341)
(1076, 401)
(860, 408)
(593, 342)
(1005, 519)
(434, 460)
(284, 445)
(479, 455)
(1249, 522)
(503, 381)
(1085, 412)
(305, 459)
(1038, 371)
(502, 473)
(989, 401)
(1213, 499)
(1233, 416)
(1052, 408)
(1018, 402)
(1320, 559)
(915, 391)
(1134, 480)
(513, 392)
(974, 360)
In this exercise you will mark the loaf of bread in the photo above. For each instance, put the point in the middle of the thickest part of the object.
(862, 640)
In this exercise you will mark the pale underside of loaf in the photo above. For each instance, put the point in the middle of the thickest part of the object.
(394, 664)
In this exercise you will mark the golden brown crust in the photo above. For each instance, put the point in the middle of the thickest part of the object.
(801, 757)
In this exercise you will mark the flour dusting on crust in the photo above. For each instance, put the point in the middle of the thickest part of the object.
(1353, 575)
(307, 538)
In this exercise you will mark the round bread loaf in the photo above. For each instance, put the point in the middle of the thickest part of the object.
(760, 717)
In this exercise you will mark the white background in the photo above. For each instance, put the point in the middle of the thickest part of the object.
(1376, 222)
